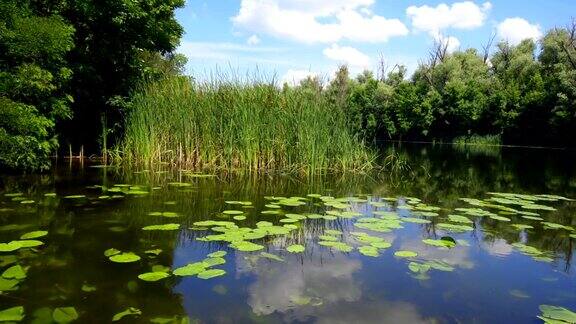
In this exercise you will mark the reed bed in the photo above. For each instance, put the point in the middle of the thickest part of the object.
(236, 125)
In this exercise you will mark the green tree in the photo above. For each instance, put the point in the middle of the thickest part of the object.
(118, 43)
(558, 58)
(33, 79)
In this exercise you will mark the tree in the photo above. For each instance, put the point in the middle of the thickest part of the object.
(33, 79)
(558, 58)
(118, 42)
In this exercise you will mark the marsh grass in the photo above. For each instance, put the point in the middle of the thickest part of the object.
(237, 125)
(478, 140)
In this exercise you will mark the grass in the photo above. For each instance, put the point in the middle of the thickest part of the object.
(478, 140)
(235, 125)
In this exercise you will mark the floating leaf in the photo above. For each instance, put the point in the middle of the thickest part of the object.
(217, 254)
(14, 272)
(440, 243)
(246, 246)
(153, 276)
(111, 252)
(369, 251)
(88, 288)
(13, 314)
(33, 235)
(64, 314)
(125, 257)
(295, 248)
(165, 227)
(239, 217)
(557, 313)
(211, 273)
(190, 269)
(233, 212)
(128, 312)
(405, 254)
(154, 251)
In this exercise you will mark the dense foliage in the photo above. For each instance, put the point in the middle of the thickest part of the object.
(33, 78)
(524, 94)
(67, 66)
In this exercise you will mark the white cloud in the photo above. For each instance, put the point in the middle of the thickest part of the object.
(299, 20)
(347, 55)
(518, 29)
(293, 77)
(253, 40)
(452, 43)
(220, 50)
(459, 15)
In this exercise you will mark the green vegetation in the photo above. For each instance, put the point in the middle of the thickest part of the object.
(33, 78)
(520, 94)
(229, 125)
(66, 67)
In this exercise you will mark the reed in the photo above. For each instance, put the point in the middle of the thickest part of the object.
(239, 125)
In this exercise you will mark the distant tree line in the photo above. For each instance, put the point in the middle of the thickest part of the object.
(525, 94)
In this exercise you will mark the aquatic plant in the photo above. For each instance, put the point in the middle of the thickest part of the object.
(235, 125)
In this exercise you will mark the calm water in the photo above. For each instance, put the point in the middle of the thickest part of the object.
(482, 279)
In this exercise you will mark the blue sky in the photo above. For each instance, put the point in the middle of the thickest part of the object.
(291, 39)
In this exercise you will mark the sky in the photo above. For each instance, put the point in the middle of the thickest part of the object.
(289, 40)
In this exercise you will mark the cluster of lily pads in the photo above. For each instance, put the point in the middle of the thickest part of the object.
(386, 215)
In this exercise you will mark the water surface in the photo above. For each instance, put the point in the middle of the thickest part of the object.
(499, 271)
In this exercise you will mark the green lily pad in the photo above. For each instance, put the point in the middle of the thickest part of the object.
(64, 314)
(88, 288)
(211, 273)
(111, 252)
(217, 254)
(13, 314)
(124, 257)
(131, 311)
(369, 251)
(557, 313)
(33, 235)
(239, 217)
(233, 212)
(381, 245)
(165, 227)
(454, 227)
(190, 269)
(295, 248)
(246, 246)
(440, 243)
(405, 254)
(153, 276)
(14, 272)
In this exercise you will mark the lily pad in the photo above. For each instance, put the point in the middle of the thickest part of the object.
(14, 272)
(405, 254)
(131, 311)
(557, 313)
(33, 235)
(211, 273)
(369, 251)
(153, 276)
(64, 314)
(13, 314)
(190, 269)
(165, 227)
(217, 254)
(295, 248)
(125, 257)
(246, 246)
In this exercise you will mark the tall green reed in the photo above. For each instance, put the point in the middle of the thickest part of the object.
(231, 124)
